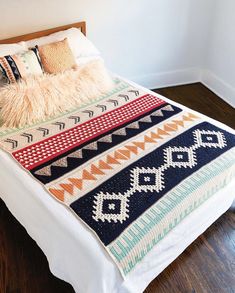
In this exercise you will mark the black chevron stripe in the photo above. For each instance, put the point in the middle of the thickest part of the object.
(103, 107)
(44, 130)
(28, 136)
(115, 102)
(89, 112)
(13, 142)
(136, 92)
(126, 97)
(60, 124)
(75, 118)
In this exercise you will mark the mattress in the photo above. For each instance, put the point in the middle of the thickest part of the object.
(72, 250)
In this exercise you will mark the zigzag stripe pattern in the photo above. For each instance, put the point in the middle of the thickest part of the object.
(67, 190)
(79, 156)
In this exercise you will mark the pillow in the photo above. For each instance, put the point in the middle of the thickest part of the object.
(20, 65)
(40, 97)
(84, 60)
(56, 57)
(9, 49)
(79, 44)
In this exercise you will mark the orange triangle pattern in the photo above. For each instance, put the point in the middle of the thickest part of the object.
(58, 193)
(191, 115)
(132, 148)
(179, 122)
(104, 166)
(149, 139)
(139, 144)
(162, 132)
(187, 118)
(120, 155)
(126, 153)
(76, 182)
(154, 135)
(111, 160)
(87, 175)
(172, 126)
(68, 188)
(95, 170)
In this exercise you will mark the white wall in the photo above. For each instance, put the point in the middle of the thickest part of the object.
(139, 39)
(154, 42)
(219, 74)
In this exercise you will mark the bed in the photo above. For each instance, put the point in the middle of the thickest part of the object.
(90, 256)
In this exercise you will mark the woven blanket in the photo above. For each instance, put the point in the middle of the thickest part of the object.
(130, 166)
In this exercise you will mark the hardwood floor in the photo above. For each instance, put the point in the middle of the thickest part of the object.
(197, 97)
(207, 266)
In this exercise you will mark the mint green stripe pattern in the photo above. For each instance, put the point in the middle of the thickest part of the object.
(120, 85)
(145, 223)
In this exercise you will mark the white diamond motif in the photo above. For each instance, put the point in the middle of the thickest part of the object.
(114, 207)
(179, 157)
(207, 138)
(146, 179)
(113, 199)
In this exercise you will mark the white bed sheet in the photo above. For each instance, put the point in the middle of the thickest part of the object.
(73, 252)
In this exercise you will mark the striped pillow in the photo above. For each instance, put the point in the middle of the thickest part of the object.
(14, 67)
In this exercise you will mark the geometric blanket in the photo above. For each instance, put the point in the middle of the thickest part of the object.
(129, 165)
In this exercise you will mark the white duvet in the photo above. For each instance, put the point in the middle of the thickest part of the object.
(73, 252)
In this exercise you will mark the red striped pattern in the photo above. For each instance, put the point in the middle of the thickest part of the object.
(40, 152)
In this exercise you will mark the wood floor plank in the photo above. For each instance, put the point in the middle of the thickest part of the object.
(197, 97)
(206, 266)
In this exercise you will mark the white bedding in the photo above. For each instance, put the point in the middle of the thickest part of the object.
(74, 254)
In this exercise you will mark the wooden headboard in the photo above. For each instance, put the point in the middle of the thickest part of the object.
(30, 36)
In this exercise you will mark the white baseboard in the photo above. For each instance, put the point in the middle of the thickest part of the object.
(222, 89)
(186, 76)
(169, 78)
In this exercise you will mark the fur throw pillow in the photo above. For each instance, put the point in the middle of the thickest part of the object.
(37, 98)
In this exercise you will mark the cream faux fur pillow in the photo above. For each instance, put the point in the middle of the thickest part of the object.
(37, 98)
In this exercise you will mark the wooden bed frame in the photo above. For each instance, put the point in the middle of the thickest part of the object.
(81, 25)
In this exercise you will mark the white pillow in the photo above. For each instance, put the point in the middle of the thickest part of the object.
(84, 60)
(10, 49)
(79, 44)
